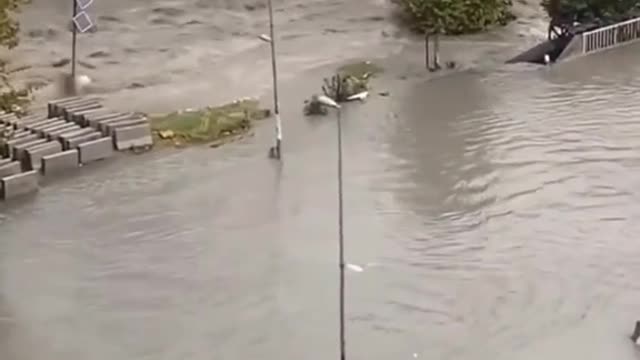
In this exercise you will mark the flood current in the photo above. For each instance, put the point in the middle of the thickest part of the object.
(494, 214)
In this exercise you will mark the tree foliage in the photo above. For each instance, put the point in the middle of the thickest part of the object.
(456, 16)
(10, 97)
(592, 11)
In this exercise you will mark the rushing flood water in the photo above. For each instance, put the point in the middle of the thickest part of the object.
(494, 213)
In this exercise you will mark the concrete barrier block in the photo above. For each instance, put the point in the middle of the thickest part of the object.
(5, 161)
(72, 134)
(80, 117)
(36, 128)
(34, 155)
(27, 123)
(7, 116)
(9, 119)
(19, 184)
(133, 136)
(44, 132)
(72, 104)
(94, 122)
(103, 125)
(58, 108)
(18, 150)
(96, 150)
(58, 163)
(109, 127)
(53, 134)
(29, 119)
(73, 142)
(52, 105)
(69, 111)
(8, 145)
(21, 133)
(9, 169)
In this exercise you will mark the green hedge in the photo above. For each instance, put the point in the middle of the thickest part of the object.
(605, 11)
(455, 16)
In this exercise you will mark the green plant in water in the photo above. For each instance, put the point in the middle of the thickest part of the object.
(209, 124)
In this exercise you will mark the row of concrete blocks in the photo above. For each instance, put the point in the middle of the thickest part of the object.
(53, 161)
(39, 146)
(128, 130)
(55, 135)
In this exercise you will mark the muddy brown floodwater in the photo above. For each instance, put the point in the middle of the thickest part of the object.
(495, 212)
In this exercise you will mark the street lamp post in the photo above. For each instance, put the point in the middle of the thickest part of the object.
(274, 151)
(327, 101)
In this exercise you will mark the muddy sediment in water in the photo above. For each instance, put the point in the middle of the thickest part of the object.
(159, 55)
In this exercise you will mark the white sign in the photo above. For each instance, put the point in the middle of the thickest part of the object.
(83, 22)
(83, 4)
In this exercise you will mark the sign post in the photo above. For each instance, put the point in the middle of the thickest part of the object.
(80, 22)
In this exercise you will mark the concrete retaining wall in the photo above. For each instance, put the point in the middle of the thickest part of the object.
(60, 162)
(34, 155)
(9, 169)
(95, 150)
(133, 136)
(19, 184)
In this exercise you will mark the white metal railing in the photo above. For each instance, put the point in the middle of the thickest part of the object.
(610, 36)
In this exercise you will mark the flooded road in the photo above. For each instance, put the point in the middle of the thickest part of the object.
(496, 213)
(493, 211)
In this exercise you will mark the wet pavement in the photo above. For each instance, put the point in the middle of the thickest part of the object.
(493, 211)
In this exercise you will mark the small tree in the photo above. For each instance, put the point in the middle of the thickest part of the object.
(456, 16)
(10, 97)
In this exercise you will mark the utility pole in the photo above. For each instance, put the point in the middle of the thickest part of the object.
(74, 36)
(80, 21)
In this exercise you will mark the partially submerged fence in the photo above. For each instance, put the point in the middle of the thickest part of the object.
(610, 36)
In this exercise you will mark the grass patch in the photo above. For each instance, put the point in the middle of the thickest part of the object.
(360, 70)
(209, 124)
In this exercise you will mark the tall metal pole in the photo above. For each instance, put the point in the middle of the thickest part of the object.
(276, 105)
(341, 240)
(426, 50)
(74, 32)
